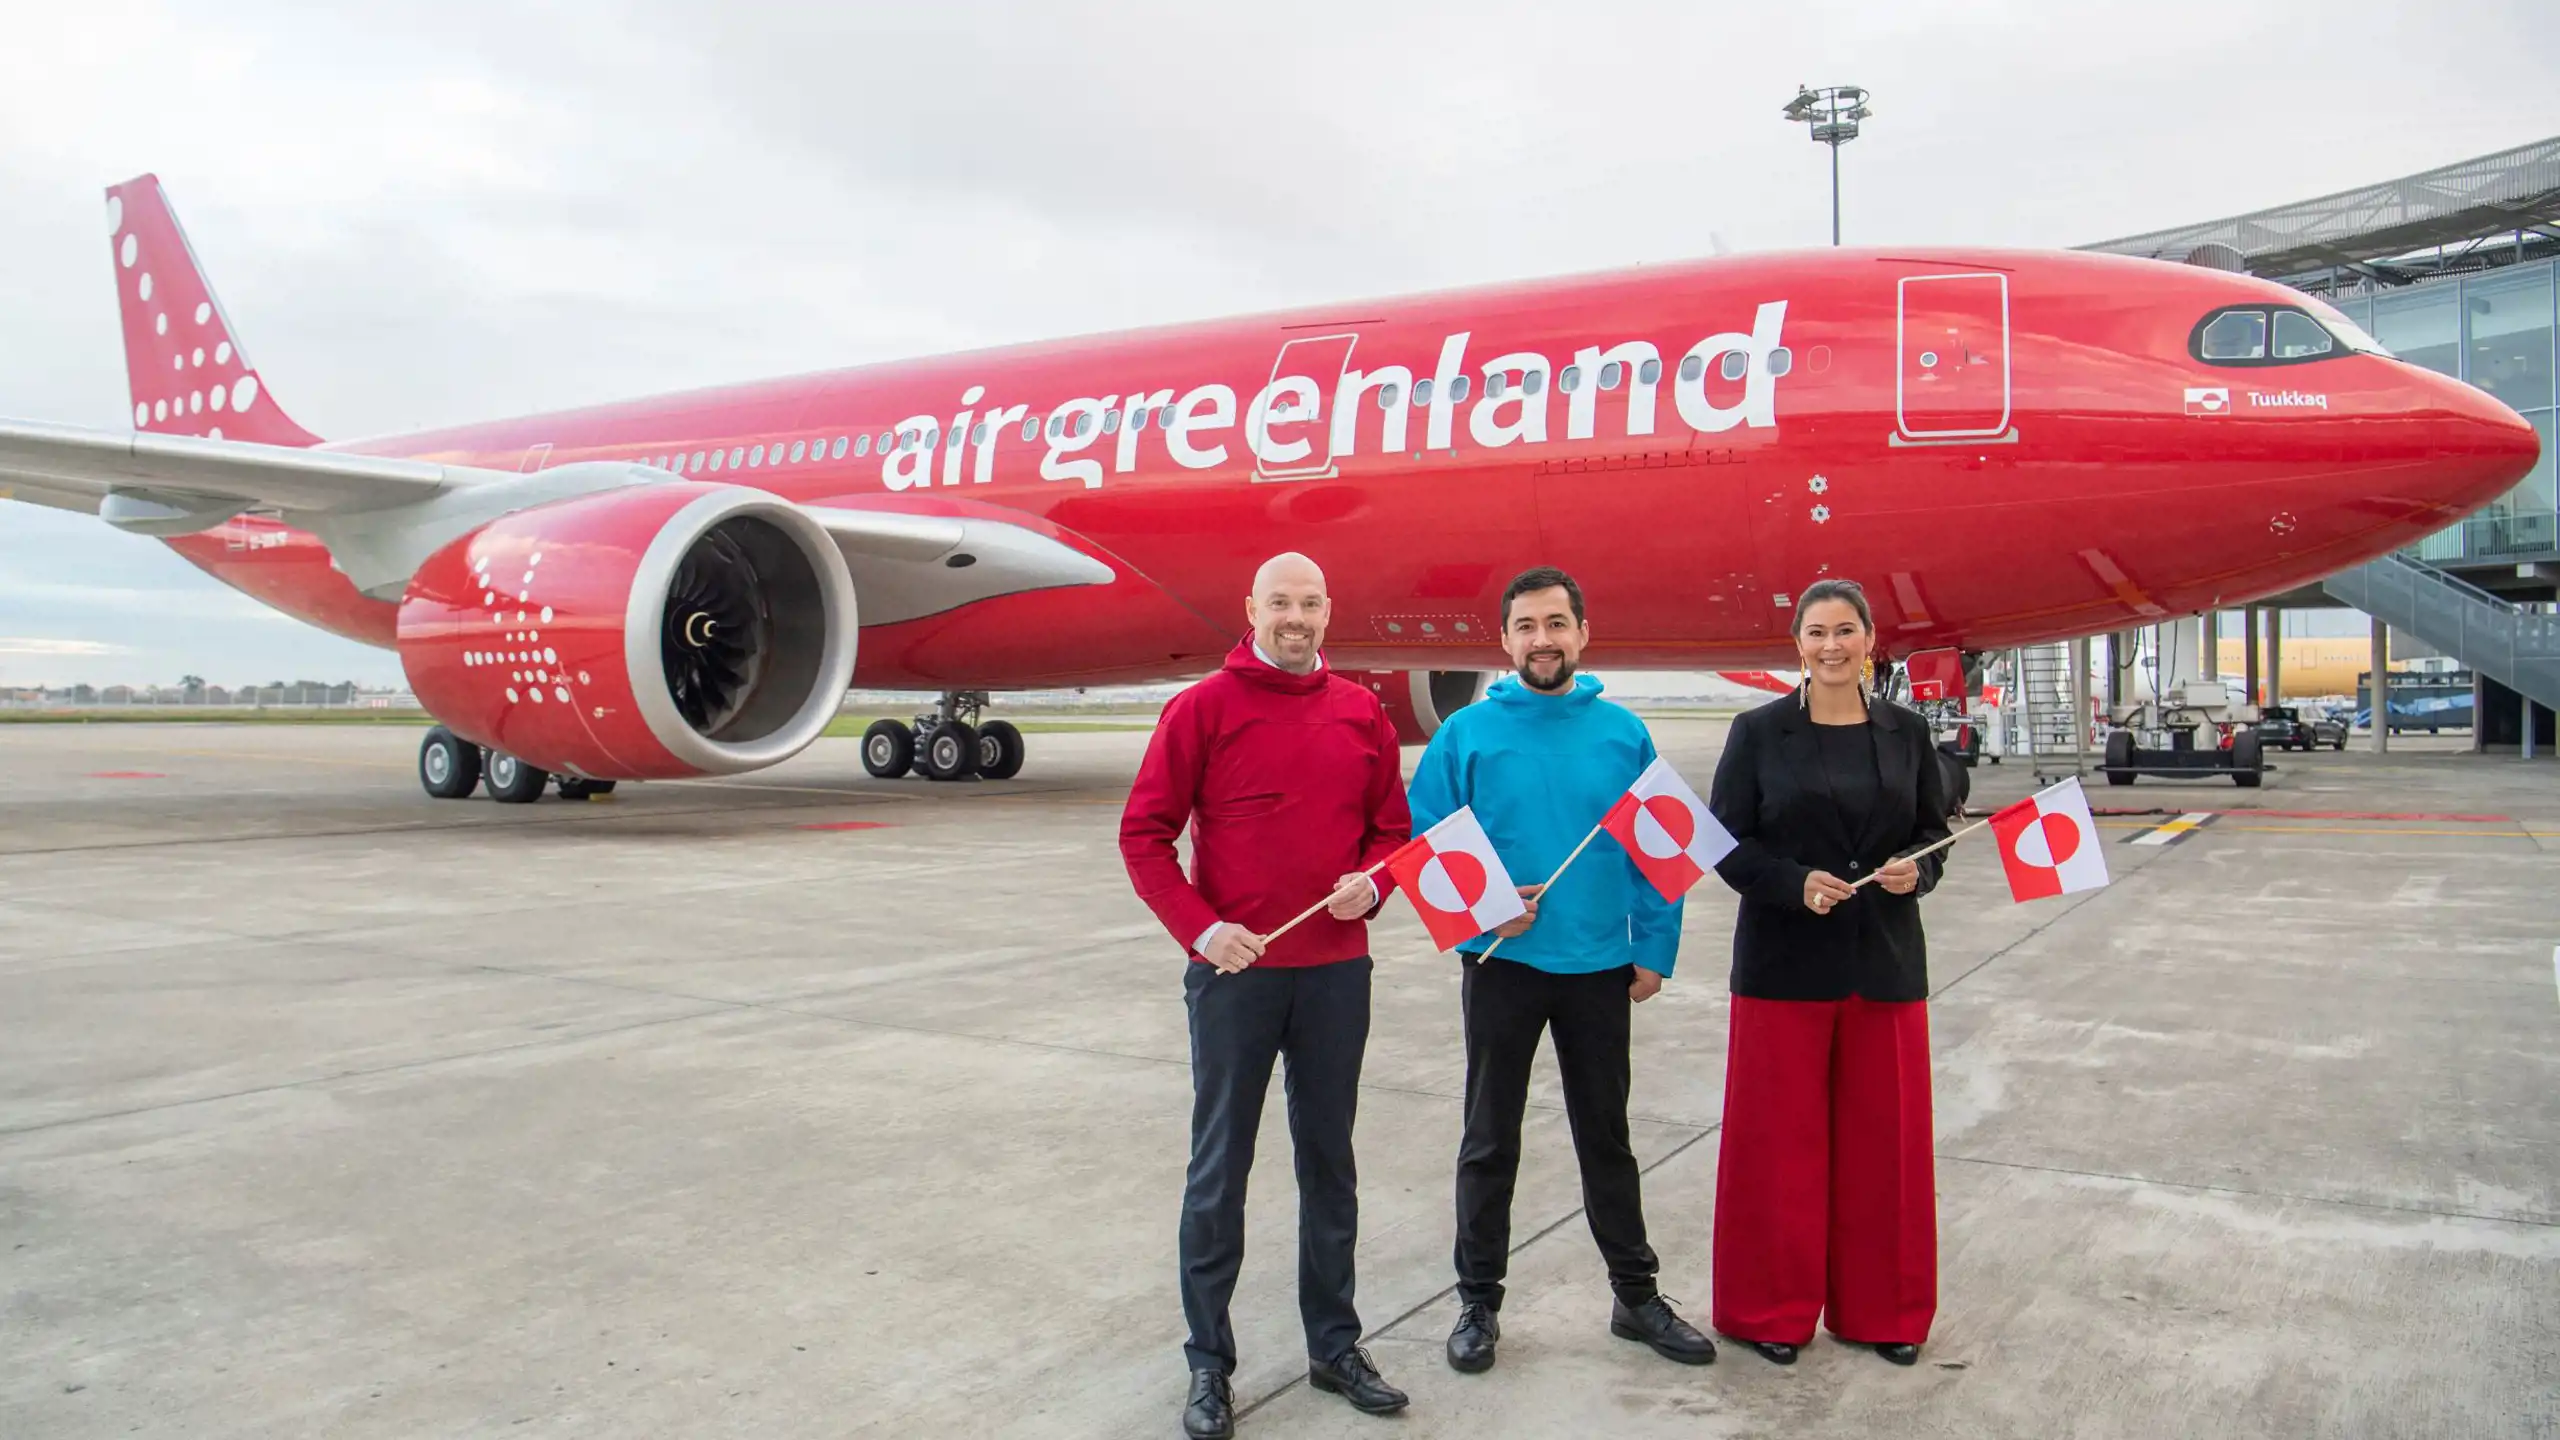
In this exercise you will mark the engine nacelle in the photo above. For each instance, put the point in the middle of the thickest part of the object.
(1418, 700)
(651, 632)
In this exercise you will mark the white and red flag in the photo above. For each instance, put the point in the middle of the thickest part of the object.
(1667, 830)
(2049, 844)
(1456, 881)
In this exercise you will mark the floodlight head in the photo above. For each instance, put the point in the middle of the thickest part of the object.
(1831, 113)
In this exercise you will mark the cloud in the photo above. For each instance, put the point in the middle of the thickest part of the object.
(32, 645)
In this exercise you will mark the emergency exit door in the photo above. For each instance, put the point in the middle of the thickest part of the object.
(1952, 372)
(1296, 439)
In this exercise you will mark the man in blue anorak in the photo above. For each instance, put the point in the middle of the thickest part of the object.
(1540, 760)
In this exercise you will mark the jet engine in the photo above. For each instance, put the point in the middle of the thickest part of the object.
(649, 632)
(1418, 700)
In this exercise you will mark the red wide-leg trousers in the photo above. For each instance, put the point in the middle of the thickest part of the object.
(1826, 1195)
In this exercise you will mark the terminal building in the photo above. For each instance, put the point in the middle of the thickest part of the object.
(2452, 269)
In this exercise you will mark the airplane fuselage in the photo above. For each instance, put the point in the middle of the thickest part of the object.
(2005, 447)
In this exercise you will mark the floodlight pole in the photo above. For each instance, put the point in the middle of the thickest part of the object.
(1831, 115)
(1835, 197)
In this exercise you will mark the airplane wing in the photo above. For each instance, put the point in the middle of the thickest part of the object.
(908, 566)
(381, 517)
(176, 484)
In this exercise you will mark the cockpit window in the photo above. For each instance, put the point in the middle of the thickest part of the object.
(2278, 335)
(2349, 333)
(2299, 337)
(2235, 335)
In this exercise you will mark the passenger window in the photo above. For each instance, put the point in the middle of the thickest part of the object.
(978, 435)
(2236, 335)
(1533, 381)
(2299, 337)
(696, 466)
(1111, 423)
(1058, 425)
(755, 457)
(1030, 427)
(958, 438)
(1458, 389)
(836, 451)
(1495, 385)
(1781, 360)
(797, 452)
(718, 459)
(1570, 380)
(737, 457)
(862, 443)
(886, 441)
(1611, 374)
(1691, 367)
(1734, 366)
(1138, 418)
(1422, 392)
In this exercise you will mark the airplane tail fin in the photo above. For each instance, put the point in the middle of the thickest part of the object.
(182, 359)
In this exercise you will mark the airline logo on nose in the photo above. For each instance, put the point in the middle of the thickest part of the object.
(2208, 399)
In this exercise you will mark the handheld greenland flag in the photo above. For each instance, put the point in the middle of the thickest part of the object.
(1667, 830)
(1456, 881)
(2049, 844)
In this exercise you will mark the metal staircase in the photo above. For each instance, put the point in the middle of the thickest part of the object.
(2517, 647)
(2050, 722)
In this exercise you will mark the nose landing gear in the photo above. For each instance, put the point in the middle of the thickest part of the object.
(947, 744)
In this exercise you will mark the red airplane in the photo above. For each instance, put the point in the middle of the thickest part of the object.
(2008, 447)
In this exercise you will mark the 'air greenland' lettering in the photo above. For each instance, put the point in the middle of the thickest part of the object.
(1508, 399)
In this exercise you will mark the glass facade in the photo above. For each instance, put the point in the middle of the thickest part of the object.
(2495, 330)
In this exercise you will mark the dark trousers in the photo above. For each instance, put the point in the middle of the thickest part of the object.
(1317, 1018)
(1507, 1007)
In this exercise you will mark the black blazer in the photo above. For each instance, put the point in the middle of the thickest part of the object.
(1771, 792)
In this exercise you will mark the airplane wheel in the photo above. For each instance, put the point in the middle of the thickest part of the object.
(2120, 758)
(888, 749)
(510, 781)
(949, 752)
(448, 765)
(573, 788)
(2338, 744)
(1000, 750)
(2248, 759)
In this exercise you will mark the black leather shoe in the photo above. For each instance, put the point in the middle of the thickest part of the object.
(1769, 1350)
(1354, 1376)
(1899, 1353)
(1210, 1413)
(1471, 1343)
(1656, 1324)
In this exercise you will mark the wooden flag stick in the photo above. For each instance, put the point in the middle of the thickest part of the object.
(1926, 850)
(1310, 912)
(1552, 879)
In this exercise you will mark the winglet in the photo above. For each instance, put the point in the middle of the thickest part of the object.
(182, 359)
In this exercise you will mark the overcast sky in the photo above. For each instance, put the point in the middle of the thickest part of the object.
(477, 209)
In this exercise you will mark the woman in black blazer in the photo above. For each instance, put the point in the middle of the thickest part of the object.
(1826, 1201)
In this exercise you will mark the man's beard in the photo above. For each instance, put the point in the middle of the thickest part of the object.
(1564, 674)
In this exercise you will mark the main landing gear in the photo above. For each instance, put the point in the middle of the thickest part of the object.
(947, 744)
(451, 767)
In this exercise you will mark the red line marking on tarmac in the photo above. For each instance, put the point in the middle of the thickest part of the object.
(2373, 815)
(126, 775)
(852, 825)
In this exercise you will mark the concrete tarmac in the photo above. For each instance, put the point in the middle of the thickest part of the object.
(808, 1104)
